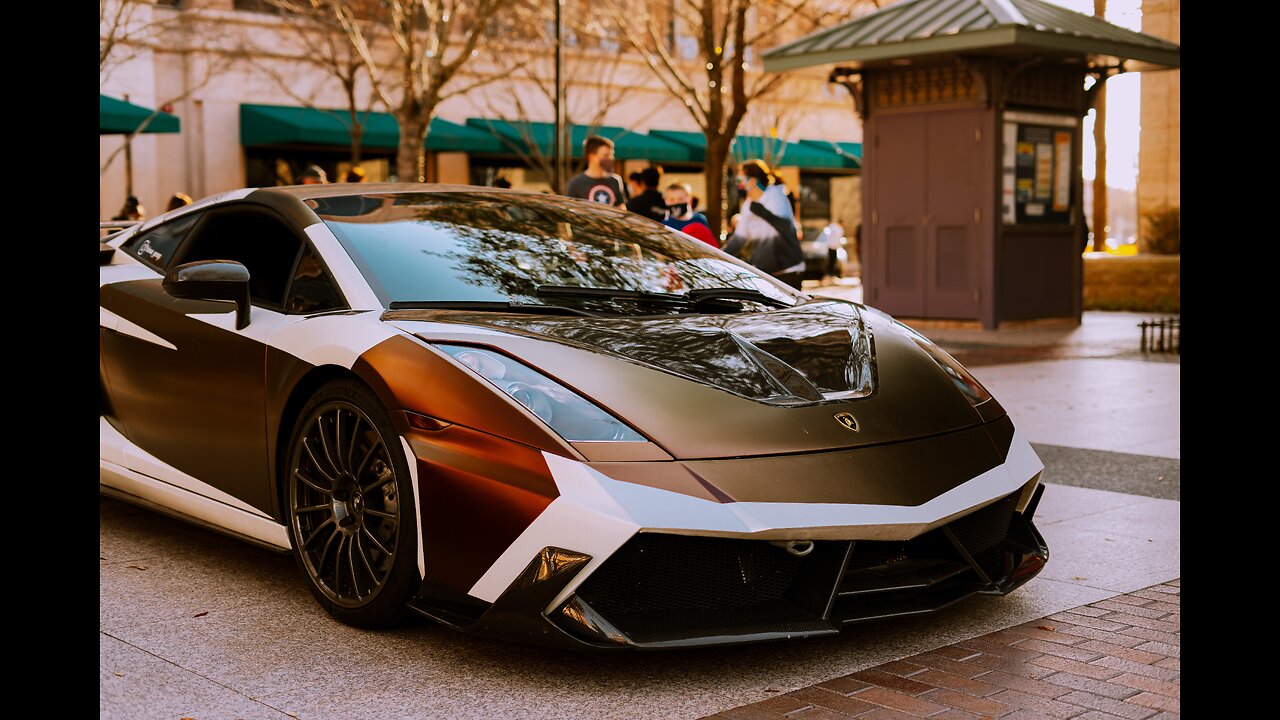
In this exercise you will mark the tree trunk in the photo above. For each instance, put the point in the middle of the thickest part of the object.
(1100, 176)
(713, 168)
(357, 138)
(1100, 158)
(411, 155)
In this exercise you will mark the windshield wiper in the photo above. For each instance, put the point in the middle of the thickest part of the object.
(733, 293)
(489, 306)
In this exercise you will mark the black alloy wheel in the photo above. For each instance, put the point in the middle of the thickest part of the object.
(351, 510)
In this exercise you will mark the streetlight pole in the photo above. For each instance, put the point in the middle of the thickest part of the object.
(558, 154)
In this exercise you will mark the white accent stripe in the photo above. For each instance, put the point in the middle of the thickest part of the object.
(123, 273)
(332, 339)
(118, 449)
(262, 322)
(417, 504)
(349, 278)
(197, 506)
(112, 321)
(595, 514)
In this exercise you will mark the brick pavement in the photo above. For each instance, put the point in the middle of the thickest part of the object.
(1116, 658)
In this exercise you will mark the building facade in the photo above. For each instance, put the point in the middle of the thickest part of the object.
(246, 87)
(1160, 148)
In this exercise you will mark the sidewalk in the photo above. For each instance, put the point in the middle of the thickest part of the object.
(1116, 658)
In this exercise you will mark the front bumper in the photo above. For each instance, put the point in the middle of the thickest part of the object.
(664, 590)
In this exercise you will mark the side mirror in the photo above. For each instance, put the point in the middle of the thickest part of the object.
(212, 280)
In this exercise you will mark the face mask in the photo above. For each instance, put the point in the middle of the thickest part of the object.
(679, 209)
(606, 164)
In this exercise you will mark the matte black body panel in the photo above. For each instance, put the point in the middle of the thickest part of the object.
(199, 408)
(287, 204)
(694, 420)
(907, 473)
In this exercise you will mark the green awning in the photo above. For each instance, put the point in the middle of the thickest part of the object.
(120, 117)
(850, 153)
(808, 154)
(695, 142)
(784, 153)
(522, 136)
(292, 125)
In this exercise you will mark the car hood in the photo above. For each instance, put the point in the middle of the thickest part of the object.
(730, 385)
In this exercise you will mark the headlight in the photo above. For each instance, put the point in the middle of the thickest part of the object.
(964, 382)
(573, 417)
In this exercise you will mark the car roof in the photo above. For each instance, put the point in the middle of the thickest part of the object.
(304, 192)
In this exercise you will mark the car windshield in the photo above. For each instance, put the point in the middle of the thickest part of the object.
(489, 247)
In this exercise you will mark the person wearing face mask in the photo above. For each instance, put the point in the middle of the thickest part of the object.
(648, 201)
(766, 233)
(598, 183)
(680, 214)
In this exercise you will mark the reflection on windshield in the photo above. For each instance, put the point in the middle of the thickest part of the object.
(484, 246)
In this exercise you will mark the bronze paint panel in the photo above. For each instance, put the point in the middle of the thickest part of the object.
(198, 408)
(478, 493)
(408, 376)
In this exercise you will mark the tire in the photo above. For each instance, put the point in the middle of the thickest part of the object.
(347, 486)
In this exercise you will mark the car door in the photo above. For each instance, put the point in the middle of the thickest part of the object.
(186, 386)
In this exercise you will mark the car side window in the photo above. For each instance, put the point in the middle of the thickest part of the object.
(156, 246)
(255, 238)
(313, 288)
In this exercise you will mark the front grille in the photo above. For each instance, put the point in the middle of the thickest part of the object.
(666, 587)
(984, 529)
(672, 572)
(885, 579)
(661, 588)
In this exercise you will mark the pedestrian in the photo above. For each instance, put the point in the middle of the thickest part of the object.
(635, 186)
(598, 183)
(355, 175)
(649, 202)
(833, 235)
(502, 182)
(766, 234)
(681, 216)
(177, 200)
(314, 175)
(132, 210)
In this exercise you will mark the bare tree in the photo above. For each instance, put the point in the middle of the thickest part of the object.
(314, 29)
(130, 28)
(595, 55)
(716, 82)
(430, 41)
(1100, 148)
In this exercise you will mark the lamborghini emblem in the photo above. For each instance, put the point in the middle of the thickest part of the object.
(847, 420)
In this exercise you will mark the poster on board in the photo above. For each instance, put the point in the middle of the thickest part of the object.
(1037, 185)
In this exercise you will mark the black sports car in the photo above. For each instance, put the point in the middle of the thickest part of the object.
(546, 419)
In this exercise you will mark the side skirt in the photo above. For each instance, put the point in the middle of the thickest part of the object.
(148, 492)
